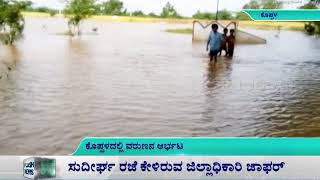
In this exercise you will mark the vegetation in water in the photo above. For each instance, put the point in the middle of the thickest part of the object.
(76, 11)
(11, 20)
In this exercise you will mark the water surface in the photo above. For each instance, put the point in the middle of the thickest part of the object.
(132, 79)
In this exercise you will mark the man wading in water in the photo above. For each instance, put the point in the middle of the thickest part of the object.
(214, 40)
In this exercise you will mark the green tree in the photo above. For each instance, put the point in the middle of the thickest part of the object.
(224, 15)
(308, 6)
(203, 15)
(11, 20)
(242, 16)
(168, 11)
(312, 4)
(23, 4)
(77, 11)
(42, 9)
(152, 14)
(271, 4)
(263, 4)
(3, 6)
(253, 4)
(112, 7)
(52, 12)
(137, 13)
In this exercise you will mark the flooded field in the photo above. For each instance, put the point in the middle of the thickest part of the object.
(132, 79)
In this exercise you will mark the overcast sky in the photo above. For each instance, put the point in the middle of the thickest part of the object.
(184, 7)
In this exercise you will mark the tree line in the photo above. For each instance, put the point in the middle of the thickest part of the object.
(80, 9)
(116, 8)
(12, 21)
(110, 7)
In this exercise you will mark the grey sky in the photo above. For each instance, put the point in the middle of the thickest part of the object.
(184, 7)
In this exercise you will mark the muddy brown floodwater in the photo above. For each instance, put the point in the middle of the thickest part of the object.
(134, 79)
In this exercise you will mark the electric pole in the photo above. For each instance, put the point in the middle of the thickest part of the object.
(217, 10)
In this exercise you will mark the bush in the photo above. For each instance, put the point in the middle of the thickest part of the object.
(11, 20)
(77, 11)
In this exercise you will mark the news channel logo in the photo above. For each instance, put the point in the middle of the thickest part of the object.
(39, 168)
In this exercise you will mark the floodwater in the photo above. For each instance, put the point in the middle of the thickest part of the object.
(132, 79)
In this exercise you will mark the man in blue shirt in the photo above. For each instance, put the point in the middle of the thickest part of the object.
(214, 41)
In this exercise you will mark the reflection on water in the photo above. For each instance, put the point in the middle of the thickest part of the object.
(136, 80)
(8, 61)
